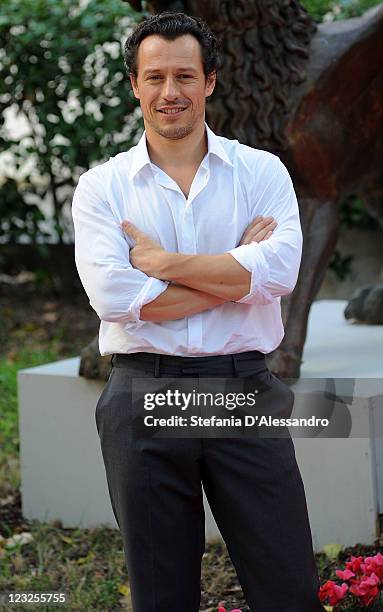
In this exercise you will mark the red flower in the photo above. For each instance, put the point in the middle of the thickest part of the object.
(367, 588)
(333, 591)
(354, 564)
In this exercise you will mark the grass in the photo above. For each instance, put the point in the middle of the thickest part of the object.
(71, 561)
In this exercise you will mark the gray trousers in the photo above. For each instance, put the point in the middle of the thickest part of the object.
(253, 486)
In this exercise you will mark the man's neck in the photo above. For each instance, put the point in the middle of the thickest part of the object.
(183, 152)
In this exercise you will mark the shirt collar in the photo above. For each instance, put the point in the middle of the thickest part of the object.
(141, 156)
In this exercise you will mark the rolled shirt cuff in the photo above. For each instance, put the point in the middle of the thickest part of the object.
(149, 292)
(251, 257)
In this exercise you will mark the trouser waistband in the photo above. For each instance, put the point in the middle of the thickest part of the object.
(188, 365)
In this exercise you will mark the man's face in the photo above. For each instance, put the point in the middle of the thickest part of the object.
(170, 77)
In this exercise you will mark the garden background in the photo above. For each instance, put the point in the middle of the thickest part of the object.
(65, 105)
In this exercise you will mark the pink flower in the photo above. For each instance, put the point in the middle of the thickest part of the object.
(333, 591)
(345, 575)
(367, 589)
(222, 609)
(373, 565)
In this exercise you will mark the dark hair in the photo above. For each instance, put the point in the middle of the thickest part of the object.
(171, 25)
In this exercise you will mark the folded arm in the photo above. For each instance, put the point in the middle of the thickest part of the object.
(219, 275)
(178, 302)
(256, 272)
(117, 291)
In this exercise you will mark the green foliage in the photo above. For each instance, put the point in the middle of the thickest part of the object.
(338, 9)
(61, 69)
(317, 8)
(332, 550)
(355, 8)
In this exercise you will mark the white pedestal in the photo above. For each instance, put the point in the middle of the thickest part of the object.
(62, 471)
(63, 475)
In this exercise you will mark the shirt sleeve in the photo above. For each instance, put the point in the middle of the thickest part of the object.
(273, 263)
(115, 289)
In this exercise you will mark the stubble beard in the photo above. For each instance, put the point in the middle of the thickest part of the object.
(172, 132)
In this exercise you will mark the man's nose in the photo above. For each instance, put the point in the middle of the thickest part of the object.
(170, 90)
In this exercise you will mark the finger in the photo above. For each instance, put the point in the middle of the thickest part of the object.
(258, 234)
(260, 220)
(254, 221)
(266, 221)
(263, 235)
(131, 229)
(264, 232)
(258, 223)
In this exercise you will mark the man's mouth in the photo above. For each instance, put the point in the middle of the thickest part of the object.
(172, 111)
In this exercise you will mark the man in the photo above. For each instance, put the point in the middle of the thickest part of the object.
(178, 250)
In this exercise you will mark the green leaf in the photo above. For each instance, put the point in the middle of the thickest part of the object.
(332, 550)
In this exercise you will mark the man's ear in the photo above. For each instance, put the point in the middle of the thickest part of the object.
(210, 83)
(133, 82)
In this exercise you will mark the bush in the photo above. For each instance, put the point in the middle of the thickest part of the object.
(62, 74)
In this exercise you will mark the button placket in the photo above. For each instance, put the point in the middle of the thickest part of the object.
(194, 322)
(188, 232)
(188, 239)
(195, 333)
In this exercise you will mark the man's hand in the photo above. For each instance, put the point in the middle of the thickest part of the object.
(151, 258)
(147, 254)
(259, 229)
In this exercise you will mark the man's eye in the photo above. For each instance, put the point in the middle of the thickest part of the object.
(154, 77)
(186, 76)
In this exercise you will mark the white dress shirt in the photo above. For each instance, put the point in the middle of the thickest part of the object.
(234, 183)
